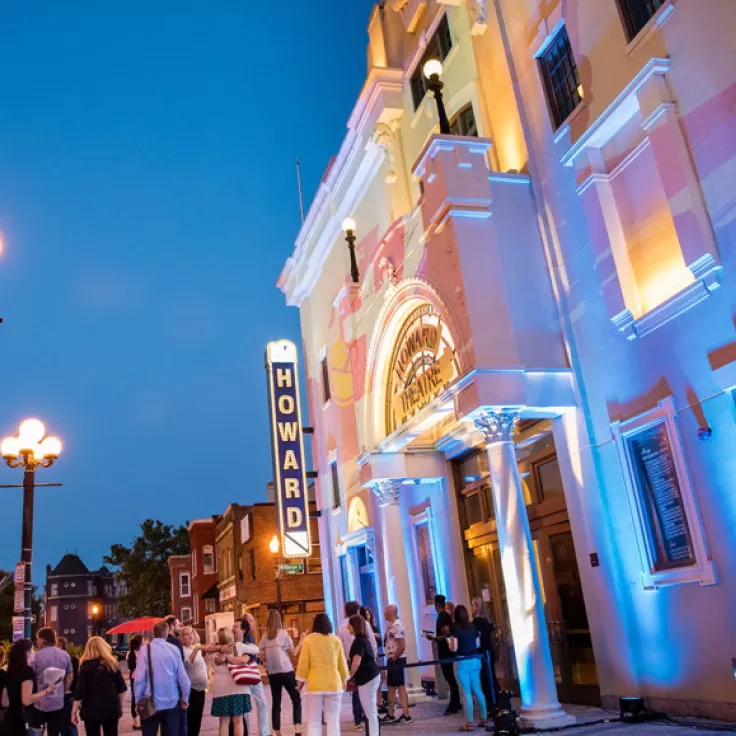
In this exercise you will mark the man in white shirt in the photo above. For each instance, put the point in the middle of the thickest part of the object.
(352, 608)
(395, 650)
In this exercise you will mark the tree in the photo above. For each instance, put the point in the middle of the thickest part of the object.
(143, 568)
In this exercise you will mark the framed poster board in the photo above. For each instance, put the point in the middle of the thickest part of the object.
(660, 498)
(665, 518)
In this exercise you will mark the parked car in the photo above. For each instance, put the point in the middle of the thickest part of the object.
(121, 650)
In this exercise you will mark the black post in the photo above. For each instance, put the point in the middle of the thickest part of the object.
(436, 86)
(29, 482)
(350, 237)
(278, 587)
(488, 666)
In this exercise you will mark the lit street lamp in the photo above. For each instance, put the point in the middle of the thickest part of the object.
(432, 70)
(275, 548)
(29, 450)
(348, 226)
(95, 611)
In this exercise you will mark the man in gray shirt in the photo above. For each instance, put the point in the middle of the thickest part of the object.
(51, 664)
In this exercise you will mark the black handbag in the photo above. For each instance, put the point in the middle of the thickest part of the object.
(146, 706)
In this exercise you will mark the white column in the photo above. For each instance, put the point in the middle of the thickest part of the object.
(396, 562)
(539, 704)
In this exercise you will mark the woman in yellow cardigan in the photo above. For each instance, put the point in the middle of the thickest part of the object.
(323, 669)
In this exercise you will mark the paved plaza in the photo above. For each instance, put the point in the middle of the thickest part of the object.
(428, 719)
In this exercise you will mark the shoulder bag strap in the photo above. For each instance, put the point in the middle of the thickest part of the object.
(150, 669)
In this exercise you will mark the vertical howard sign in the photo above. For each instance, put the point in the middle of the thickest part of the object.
(287, 441)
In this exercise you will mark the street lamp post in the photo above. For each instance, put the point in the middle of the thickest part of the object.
(275, 548)
(432, 70)
(348, 226)
(95, 611)
(29, 450)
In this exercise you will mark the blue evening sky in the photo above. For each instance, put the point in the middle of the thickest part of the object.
(147, 203)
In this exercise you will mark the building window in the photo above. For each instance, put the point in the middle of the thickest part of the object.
(560, 75)
(464, 123)
(209, 605)
(548, 479)
(54, 613)
(252, 563)
(90, 588)
(186, 615)
(336, 502)
(194, 563)
(314, 561)
(438, 48)
(637, 13)
(208, 560)
(245, 529)
(184, 584)
(326, 393)
(426, 561)
(54, 589)
(344, 577)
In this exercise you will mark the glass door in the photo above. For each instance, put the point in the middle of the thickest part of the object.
(567, 618)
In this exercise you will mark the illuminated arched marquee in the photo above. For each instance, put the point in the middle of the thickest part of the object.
(423, 364)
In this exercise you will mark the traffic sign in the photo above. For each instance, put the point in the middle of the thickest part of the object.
(20, 574)
(18, 600)
(292, 568)
(18, 629)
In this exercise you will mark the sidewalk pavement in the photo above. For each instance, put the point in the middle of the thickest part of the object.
(429, 719)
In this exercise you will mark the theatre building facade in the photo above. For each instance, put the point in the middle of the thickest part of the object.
(521, 390)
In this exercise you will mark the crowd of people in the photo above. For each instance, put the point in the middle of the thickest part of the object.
(171, 671)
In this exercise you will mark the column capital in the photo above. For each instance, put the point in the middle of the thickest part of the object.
(387, 491)
(497, 425)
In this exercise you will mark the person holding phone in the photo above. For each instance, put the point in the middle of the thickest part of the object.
(20, 688)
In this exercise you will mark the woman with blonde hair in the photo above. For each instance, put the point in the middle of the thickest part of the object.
(230, 701)
(196, 668)
(276, 647)
(99, 692)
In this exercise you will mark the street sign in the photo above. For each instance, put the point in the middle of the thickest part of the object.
(288, 449)
(292, 568)
(20, 574)
(17, 628)
(18, 600)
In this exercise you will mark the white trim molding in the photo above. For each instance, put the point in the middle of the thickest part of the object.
(703, 571)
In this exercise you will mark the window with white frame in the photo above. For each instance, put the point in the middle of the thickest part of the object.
(667, 524)
(184, 584)
(54, 589)
(186, 615)
(208, 560)
(53, 614)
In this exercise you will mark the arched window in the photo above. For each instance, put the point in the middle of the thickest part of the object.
(208, 560)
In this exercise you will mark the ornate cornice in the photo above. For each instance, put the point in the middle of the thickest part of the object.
(497, 426)
(387, 491)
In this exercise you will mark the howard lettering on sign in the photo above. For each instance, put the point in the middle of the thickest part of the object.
(290, 475)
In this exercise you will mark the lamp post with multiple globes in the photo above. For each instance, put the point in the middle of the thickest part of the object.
(275, 548)
(432, 70)
(29, 450)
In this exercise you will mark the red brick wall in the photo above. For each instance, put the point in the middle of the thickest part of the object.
(178, 565)
(302, 595)
(201, 535)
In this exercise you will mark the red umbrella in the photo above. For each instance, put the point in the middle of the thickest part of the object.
(135, 626)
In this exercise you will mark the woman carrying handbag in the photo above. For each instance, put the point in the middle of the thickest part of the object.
(230, 699)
